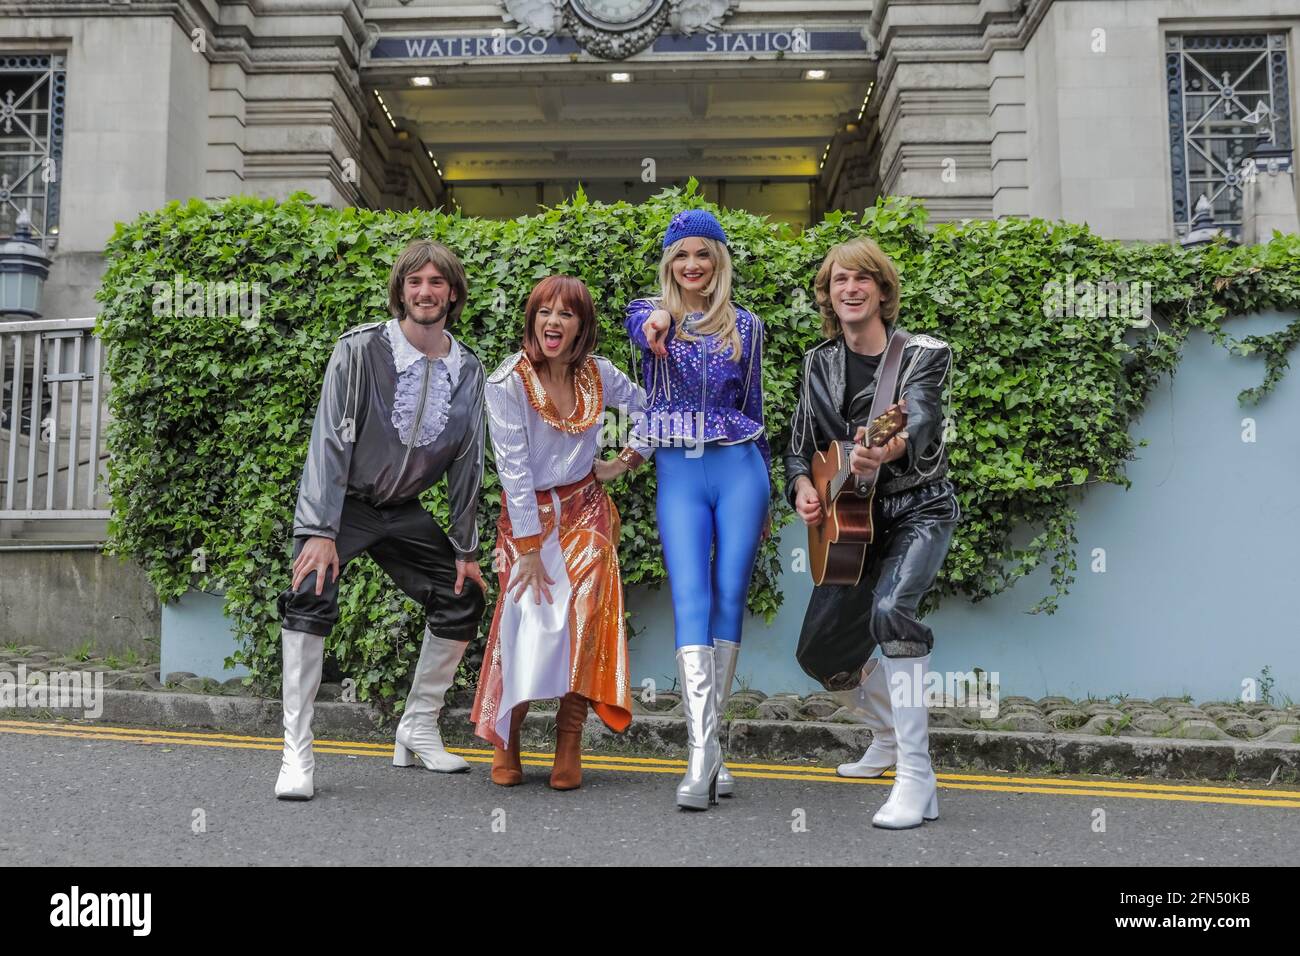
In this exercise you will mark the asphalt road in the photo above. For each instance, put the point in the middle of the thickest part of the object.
(134, 796)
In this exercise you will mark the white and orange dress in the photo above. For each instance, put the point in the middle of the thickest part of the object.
(552, 502)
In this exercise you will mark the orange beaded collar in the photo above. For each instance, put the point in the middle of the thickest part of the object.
(587, 387)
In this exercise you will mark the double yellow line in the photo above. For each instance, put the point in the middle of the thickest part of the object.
(989, 783)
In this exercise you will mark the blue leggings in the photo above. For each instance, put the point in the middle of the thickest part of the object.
(717, 500)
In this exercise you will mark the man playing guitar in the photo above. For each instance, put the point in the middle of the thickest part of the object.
(911, 520)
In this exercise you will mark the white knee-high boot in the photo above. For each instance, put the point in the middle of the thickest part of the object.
(698, 790)
(418, 737)
(869, 703)
(304, 655)
(913, 799)
(725, 654)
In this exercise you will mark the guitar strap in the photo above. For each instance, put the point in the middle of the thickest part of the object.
(884, 397)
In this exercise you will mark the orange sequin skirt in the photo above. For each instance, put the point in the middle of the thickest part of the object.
(588, 538)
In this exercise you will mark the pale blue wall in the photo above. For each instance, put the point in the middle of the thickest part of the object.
(1202, 580)
(196, 638)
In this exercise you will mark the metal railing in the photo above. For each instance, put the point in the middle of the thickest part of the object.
(52, 418)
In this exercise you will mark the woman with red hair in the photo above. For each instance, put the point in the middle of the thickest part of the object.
(558, 627)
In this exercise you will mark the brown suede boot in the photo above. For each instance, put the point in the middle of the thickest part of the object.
(567, 771)
(506, 768)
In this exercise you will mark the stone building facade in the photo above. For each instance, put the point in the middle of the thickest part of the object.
(1118, 113)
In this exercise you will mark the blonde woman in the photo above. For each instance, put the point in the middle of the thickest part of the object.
(702, 362)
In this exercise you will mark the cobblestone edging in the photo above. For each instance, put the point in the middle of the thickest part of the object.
(789, 741)
(1117, 716)
(1167, 737)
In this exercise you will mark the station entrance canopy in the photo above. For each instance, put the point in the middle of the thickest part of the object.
(622, 96)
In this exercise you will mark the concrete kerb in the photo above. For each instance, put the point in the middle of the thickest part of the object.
(777, 741)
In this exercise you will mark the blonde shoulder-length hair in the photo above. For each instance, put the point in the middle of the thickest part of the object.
(719, 315)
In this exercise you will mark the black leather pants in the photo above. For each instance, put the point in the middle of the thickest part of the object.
(407, 543)
(843, 624)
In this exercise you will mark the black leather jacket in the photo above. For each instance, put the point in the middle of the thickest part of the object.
(819, 417)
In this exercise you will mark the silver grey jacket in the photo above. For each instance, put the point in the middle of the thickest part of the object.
(356, 449)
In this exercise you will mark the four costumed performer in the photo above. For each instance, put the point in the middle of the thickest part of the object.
(402, 405)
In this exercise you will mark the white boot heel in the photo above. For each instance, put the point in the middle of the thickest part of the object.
(932, 810)
(401, 756)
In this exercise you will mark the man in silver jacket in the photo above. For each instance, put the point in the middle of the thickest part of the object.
(401, 406)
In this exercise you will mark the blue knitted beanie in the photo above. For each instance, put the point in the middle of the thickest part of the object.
(694, 222)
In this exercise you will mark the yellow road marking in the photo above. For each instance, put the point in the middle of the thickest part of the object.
(1193, 793)
(367, 748)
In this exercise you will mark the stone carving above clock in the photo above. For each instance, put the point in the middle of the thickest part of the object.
(536, 17)
(615, 29)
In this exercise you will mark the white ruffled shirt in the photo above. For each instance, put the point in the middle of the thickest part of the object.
(443, 377)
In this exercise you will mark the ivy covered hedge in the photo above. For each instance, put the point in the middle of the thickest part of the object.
(211, 414)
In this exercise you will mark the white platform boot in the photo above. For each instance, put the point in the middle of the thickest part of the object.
(725, 654)
(303, 656)
(698, 790)
(869, 703)
(913, 799)
(418, 737)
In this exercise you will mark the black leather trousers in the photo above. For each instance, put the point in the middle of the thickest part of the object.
(843, 624)
(407, 543)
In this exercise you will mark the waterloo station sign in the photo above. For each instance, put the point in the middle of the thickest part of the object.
(500, 45)
(616, 29)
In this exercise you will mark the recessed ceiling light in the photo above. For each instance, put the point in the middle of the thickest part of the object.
(391, 122)
(620, 77)
(422, 81)
(870, 86)
(814, 74)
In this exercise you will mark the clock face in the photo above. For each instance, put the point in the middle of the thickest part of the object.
(616, 14)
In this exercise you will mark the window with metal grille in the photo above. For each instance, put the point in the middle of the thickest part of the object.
(32, 90)
(1227, 92)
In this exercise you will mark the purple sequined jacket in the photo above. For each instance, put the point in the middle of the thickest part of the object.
(694, 379)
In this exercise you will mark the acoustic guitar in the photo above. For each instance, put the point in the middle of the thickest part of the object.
(837, 547)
